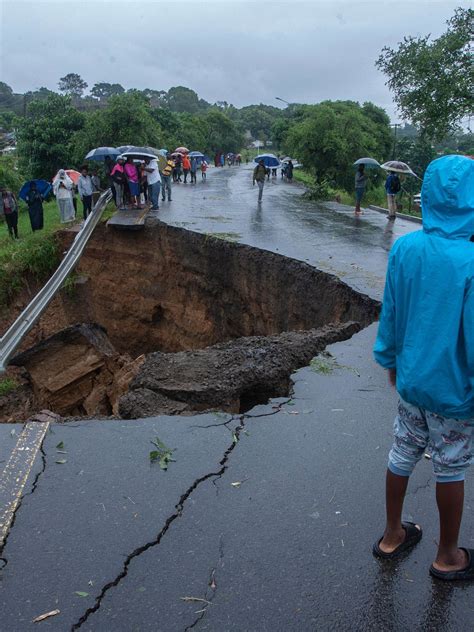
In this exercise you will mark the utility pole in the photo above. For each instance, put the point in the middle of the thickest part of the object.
(395, 126)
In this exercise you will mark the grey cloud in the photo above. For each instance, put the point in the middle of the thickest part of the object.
(241, 52)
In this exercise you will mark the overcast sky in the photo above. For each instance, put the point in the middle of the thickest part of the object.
(240, 52)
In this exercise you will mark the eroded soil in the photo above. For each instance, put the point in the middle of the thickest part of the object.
(177, 322)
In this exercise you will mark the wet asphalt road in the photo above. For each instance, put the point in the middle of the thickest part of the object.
(263, 522)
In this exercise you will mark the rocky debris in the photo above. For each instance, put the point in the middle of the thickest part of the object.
(232, 376)
(77, 371)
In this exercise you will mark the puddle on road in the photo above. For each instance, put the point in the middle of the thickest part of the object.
(171, 321)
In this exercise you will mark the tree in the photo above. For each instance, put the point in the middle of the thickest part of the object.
(330, 136)
(222, 133)
(126, 120)
(432, 79)
(44, 136)
(104, 90)
(72, 84)
(258, 119)
(181, 99)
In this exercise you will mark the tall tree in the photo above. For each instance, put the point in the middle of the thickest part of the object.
(72, 84)
(432, 80)
(44, 135)
(125, 120)
(104, 90)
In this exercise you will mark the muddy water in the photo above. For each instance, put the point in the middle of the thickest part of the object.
(166, 290)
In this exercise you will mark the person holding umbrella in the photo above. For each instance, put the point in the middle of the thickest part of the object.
(119, 180)
(193, 169)
(131, 173)
(34, 199)
(259, 174)
(186, 168)
(360, 184)
(392, 187)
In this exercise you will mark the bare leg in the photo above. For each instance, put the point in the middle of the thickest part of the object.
(450, 500)
(395, 490)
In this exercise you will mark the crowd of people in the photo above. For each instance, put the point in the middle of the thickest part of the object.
(136, 182)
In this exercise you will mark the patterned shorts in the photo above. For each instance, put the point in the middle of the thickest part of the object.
(449, 441)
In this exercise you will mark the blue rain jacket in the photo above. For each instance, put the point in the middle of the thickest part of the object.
(426, 328)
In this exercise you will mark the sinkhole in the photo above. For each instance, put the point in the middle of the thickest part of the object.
(169, 321)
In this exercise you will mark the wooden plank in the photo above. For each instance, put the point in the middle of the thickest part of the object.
(132, 219)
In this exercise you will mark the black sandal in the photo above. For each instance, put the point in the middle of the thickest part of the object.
(466, 573)
(412, 536)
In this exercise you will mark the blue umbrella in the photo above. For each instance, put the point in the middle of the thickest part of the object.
(195, 154)
(163, 152)
(269, 160)
(101, 153)
(42, 187)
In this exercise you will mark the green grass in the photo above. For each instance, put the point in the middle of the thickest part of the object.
(375, 196)
(34, 255)
(7, 385)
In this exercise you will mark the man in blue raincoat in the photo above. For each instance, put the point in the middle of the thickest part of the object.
(426, 341)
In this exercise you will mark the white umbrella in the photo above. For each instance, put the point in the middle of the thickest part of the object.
(398, 167)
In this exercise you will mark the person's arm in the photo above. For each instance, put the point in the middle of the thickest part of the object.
(468, 331)
(80, 188)
(385, 344)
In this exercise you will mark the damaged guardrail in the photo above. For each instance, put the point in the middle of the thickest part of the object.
(10, 341)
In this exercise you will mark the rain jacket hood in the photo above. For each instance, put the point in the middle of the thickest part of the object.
(426, 329)
(447, 197)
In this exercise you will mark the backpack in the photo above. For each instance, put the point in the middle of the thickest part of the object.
(395, 185)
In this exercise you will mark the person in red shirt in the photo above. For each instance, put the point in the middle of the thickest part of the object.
(186, 167)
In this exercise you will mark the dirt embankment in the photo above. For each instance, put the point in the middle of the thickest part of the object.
(169, 290)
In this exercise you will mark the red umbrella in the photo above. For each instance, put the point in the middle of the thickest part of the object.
(74, 175)
(181, 150)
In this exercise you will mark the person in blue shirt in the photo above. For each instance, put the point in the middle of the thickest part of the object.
(426, 341)
(392, 187)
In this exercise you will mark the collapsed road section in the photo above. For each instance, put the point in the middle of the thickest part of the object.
(171, 321)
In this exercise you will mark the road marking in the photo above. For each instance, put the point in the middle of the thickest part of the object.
(14, 476)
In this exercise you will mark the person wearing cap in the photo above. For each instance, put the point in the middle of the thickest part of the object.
(259, 174)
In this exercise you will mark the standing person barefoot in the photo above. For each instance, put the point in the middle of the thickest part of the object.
(426, 341)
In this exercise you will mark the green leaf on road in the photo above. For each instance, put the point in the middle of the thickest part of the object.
(162, 454)
(61, 461)
(80, 593)
(60, 445)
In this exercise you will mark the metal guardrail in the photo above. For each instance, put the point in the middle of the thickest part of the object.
(25, 321)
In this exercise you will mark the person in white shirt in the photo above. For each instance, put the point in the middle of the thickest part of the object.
(85, 189)
(62, 188)
(154, 182)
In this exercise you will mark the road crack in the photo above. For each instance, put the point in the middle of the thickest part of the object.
(211, 589)
(179, 507)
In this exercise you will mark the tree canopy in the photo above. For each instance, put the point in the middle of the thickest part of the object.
(432, 80)
(44, 135)
(72, 84)
(330, 136)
